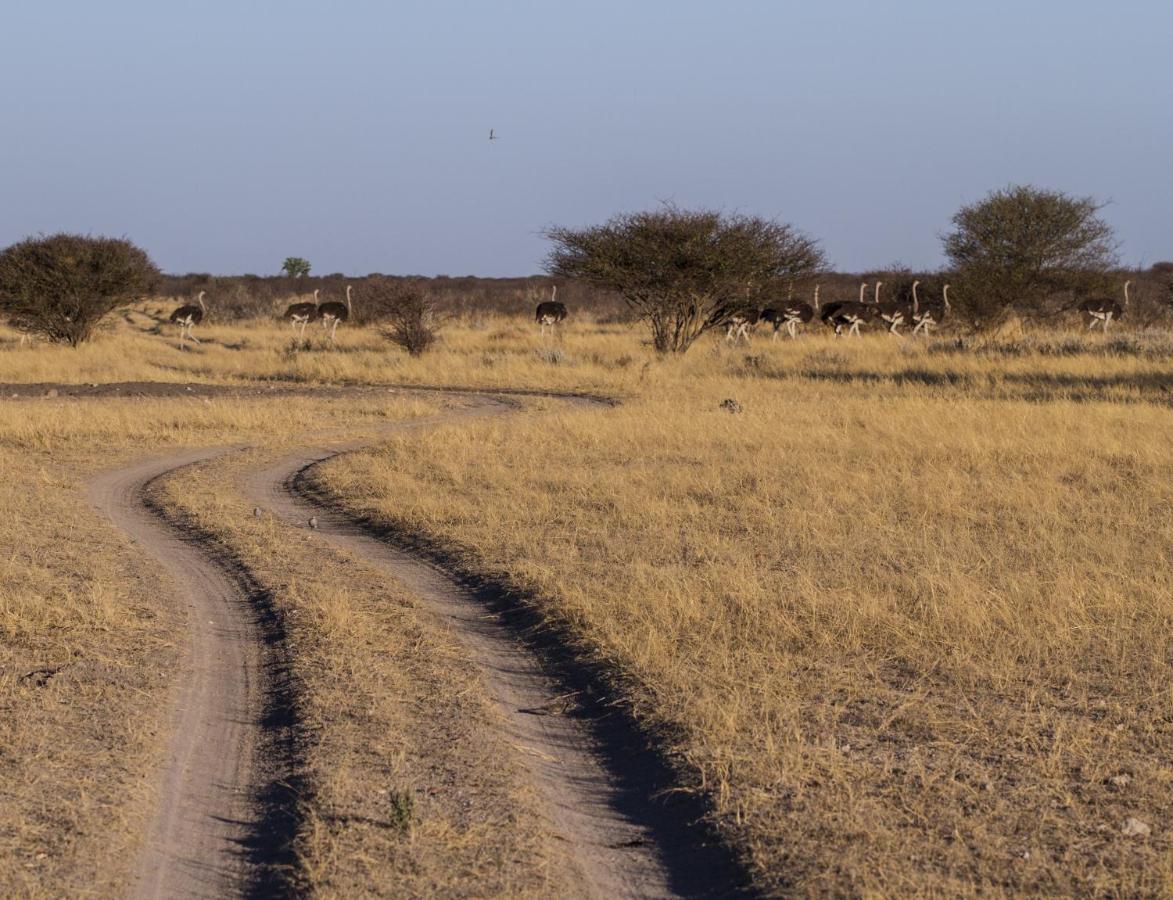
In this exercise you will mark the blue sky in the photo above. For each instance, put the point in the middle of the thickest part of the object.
(224, 136)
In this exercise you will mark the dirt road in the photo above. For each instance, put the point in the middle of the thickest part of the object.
(214, 833)
(196, 842)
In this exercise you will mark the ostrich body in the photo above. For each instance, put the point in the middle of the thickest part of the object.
(332, 313)
(301, 314)
(550, 312)
(893, 313)
(931, 313)
(791, 314)
(187, 317)
(849, 314)
(741, 325)
(1103, 310)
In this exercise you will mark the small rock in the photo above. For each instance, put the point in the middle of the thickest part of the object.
(1026, 855)
(732, 405)
(313, 521)
(52, 392)
(1121, 781)
(1136, 828)
(257, 511)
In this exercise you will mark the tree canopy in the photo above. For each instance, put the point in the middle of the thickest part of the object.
(1028, 251)
(296, 267)
(685, 271)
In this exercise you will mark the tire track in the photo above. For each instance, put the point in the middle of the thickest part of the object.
(604, 789)
(220, 831)
(222, 824)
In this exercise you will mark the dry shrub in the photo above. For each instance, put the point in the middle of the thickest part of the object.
(62, 286)
(413, 322)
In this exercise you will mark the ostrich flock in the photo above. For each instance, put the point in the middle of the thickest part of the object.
(331, 314)
(921, 315)
(844, 316)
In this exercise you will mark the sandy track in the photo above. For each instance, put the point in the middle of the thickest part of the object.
(600, 784)
(196, 843)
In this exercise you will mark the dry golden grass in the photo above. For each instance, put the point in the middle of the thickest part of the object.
(906, 632)
(493, 351)
(905, 618)
(496, 352)
(87, 652)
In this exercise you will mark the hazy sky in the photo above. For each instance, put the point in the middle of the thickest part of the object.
(224, 136)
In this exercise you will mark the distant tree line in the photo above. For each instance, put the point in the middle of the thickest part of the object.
(1019, 252)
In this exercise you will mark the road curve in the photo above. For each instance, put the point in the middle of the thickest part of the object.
(194, 845)
(601, 785)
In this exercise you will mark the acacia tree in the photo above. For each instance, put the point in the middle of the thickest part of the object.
(296, 267)
(62, 286)
(684, 271)
(1028, 251)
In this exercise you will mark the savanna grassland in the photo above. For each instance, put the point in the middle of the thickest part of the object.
(905, 618)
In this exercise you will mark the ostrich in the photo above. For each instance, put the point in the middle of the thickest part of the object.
(892, 313)
(332, 313)
(1104, 310)
(550, 312)
(187, 317)
(790, 314)
(302, 313)
(848, 313)
(741, 325)
(931, 313)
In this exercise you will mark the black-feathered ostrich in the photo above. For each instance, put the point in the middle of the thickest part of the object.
(187, 317)
(741, 325)
(332, 313)
(931, 313)
(550, 312)
(791, 314)
(301, 314)
(893, 313)
(1103, 310)
(849, 314)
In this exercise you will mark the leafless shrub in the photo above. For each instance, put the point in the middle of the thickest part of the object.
(233, 301)
(412, 321)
